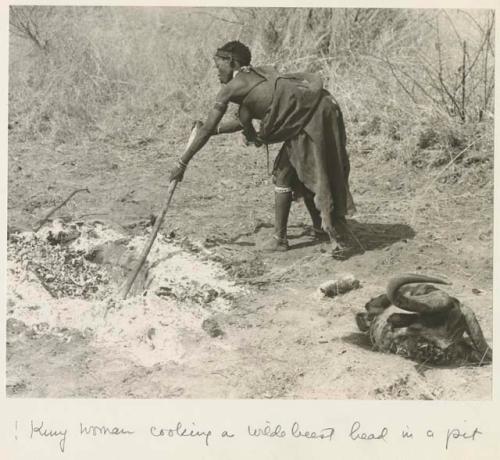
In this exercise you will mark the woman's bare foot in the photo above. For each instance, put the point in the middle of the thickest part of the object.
(275, 244)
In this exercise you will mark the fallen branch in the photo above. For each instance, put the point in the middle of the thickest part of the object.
(41, 223)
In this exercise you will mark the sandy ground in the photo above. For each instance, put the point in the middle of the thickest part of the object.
(277, 337)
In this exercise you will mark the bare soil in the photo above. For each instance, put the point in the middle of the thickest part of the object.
(274, 335)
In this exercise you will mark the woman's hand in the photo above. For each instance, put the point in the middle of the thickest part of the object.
(251, 136)
(252, 139)
(177, 173)
(197, 124)
(257, 142)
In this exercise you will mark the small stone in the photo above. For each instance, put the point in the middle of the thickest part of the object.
(344, 283)
(92, 233)
(151, 333)
(212, 328)
(15, 326)
(210, 295)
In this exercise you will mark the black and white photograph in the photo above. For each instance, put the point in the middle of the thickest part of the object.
(250, 203)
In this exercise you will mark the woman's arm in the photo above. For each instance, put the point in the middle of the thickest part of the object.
(203, 134)
(230, 126)
(206, 130)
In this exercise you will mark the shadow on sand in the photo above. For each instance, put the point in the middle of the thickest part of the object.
(366, 236)
(358, 339)
(362, 340)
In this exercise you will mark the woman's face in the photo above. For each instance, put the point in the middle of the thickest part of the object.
(224, 69)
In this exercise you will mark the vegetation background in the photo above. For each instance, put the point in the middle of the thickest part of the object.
(104, 98)
(421, 79)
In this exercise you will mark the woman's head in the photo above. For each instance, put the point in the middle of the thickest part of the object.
(230, 57)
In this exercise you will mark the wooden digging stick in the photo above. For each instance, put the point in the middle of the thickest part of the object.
(159, 221)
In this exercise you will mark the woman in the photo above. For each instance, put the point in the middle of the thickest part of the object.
(296, 110)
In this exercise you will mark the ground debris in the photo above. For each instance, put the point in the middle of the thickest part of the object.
(212, 327)
(62, 234)
(406, 387)
(340, 285)
(65, 292)
(60, 269)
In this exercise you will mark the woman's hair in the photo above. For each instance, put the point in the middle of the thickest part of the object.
(237, 50)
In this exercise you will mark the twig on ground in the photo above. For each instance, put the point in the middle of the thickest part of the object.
(219, 18)
(81, 216)
(53, 210)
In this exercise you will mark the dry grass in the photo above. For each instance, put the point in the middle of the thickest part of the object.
(137, 77)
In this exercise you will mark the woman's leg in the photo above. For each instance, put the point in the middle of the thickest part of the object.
(313, 211)
(284, 177)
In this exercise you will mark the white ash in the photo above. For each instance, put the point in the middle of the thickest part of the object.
(183, 289)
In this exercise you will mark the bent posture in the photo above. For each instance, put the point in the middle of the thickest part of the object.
(295, 110)
(434, 330)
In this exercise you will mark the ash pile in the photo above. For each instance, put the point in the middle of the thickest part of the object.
(67, 277)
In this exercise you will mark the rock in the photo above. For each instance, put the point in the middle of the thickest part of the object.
(151, 333)
(344, 283)
(60, 233)
(212, 328)
(17, 387)
(210, 295)
(110, 252)
(15, 327)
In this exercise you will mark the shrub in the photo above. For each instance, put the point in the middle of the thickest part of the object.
(135, 75)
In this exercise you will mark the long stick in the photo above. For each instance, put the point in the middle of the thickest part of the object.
(42, 221)
(159, 221)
